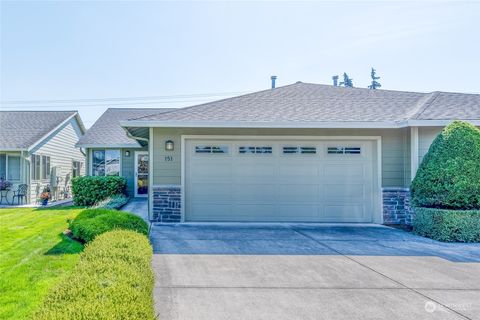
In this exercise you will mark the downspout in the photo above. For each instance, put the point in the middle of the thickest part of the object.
(26, 175)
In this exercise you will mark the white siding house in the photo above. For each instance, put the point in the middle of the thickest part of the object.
(44, 144)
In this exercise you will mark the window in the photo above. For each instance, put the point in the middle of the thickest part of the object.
(344, 150)
(45, 167)
(106, 162)
(3, 166)
(9, 167)
(76, 168)
(299, 150)
(255, 150)
(40, 167)
(36, 167)
(211, 149)
(13, 168)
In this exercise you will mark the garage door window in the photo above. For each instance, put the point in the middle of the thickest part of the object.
(254, 150)
(299, 150)
(211, 149)
(344, 150)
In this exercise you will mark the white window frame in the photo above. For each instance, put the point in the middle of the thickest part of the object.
(90, 160)
(6, 167)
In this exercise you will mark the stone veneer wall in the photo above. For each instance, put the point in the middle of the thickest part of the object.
(167, 203)
(396, 206)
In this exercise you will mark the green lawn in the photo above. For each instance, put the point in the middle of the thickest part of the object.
(34, 255)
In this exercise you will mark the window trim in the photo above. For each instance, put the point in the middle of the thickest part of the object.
(45, 175)
(210, 149)
(7, 155)
(239, 147)
(33, 169)
(80, 163)
(342, 150)
(299, 150)
(90, 160)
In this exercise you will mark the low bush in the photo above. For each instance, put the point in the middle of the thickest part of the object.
(89, 190)
(92, 222)
(113, 202)
(112, 280)
(448, 225)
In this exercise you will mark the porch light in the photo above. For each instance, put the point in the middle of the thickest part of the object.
(169, 145)
(127, 153)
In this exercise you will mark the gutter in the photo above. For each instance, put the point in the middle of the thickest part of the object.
(293, 125)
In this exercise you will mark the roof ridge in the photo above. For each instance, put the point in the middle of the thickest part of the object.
(206, 103)
(423, 104)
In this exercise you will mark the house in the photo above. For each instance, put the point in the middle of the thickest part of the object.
(37, 148)
(111, 150)
(301, 152)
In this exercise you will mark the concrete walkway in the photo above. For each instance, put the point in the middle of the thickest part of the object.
(308, 271)
(138, 206)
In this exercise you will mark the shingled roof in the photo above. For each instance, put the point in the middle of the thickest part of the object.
(316, 103)
(22, 129)
(106, 131)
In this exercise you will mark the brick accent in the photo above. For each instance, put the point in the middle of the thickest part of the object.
(167, 203)
(396, 206)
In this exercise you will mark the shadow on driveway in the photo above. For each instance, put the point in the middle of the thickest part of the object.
(302, 239)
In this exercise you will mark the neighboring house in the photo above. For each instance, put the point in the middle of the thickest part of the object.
(302, 152)
(37, 148)
(111, 152)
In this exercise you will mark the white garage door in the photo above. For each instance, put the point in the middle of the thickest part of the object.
(277, 180)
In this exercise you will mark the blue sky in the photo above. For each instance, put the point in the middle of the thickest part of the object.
(84, 50)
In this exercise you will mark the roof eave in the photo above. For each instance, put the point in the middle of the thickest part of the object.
(243, 124)
(306, 125)
(13, 149)
(105, 145)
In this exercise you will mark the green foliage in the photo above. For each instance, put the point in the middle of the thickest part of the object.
(449, 175)
(113, 280)
(113, 202)
(347, 81)
(89, 190)
(447, 225)
(375, 84)
(34, 255)
(93, 222)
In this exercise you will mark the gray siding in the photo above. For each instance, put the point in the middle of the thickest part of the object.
(60, 147)
(426, 135)
(395, 153)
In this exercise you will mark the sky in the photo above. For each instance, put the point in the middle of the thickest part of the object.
(91, 55)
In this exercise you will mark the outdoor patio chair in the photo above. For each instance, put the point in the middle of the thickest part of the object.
(20, 193)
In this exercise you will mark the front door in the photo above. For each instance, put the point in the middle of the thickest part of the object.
(141, 174)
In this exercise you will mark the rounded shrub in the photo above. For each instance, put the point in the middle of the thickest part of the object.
(113, 280)
(449, 175)
(93, 222)
(88, 190)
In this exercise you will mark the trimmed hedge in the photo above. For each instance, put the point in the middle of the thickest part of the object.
(89, 190)
(113, 280)
(92, 222)
(449, 175)
(113, 202)
(447, 225)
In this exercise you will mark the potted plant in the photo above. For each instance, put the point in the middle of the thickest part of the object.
(45, 195)
(5, 184)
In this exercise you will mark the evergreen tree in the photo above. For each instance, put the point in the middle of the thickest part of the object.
(347, 81)
(375, 84)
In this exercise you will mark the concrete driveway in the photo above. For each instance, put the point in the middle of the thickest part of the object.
(311, 271)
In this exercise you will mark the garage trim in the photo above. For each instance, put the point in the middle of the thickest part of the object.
(378, 206)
